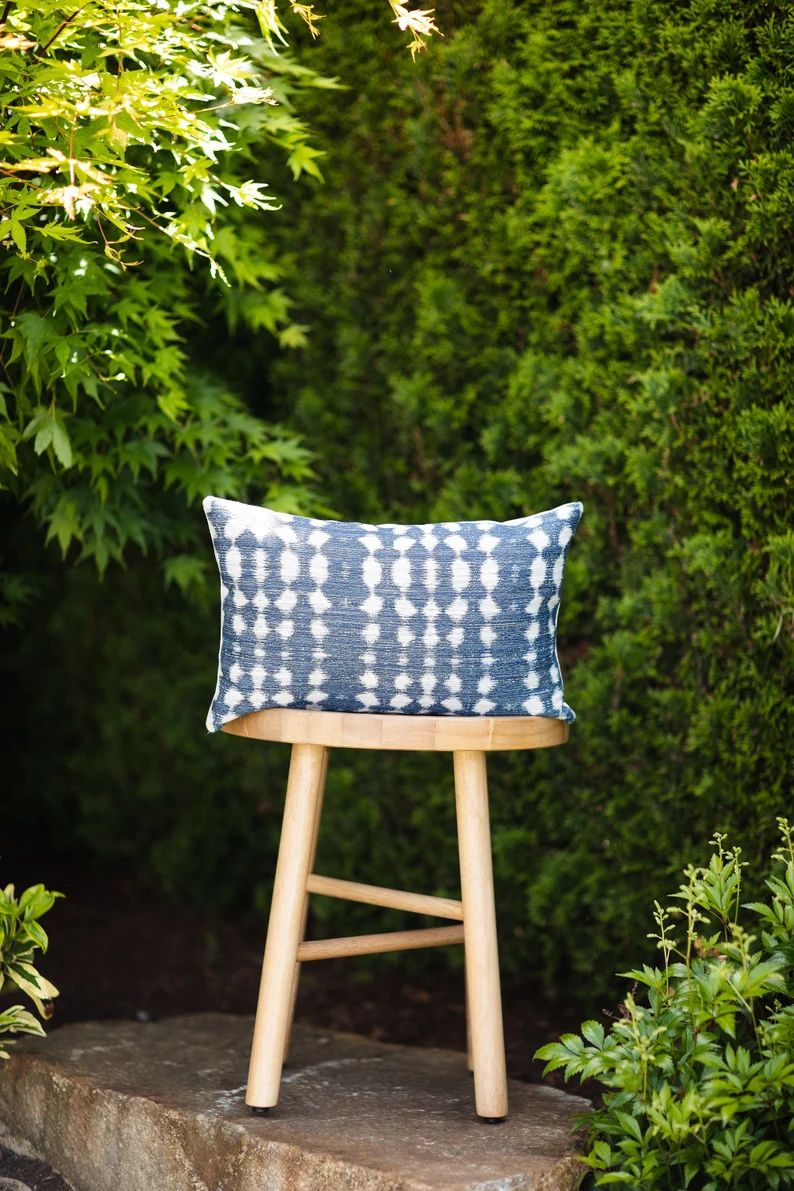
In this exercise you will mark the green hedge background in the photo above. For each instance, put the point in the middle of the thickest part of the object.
(551, 260)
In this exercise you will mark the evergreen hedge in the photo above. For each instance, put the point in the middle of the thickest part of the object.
(554, 261)
(551, 260)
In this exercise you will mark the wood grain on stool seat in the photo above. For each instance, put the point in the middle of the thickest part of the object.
(417, 733)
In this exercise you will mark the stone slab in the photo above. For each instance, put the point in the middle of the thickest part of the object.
(126, 1106)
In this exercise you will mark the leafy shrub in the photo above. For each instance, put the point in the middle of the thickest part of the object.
(700, 1065)
(136, 141)
(21, 935)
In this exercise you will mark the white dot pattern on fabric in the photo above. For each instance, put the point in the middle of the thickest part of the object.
(455, 618)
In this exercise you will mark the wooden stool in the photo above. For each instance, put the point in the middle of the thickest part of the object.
(312, 734)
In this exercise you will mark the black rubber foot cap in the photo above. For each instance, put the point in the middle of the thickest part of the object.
(260, 1112)
(492, 1120)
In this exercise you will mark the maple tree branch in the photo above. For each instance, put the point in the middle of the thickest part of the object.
(60, 28)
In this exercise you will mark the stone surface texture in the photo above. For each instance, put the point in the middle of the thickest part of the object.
(125, 1106)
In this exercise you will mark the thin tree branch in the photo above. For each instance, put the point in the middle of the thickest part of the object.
(61, 28)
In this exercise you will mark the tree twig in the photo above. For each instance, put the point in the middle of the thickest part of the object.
(61, 28)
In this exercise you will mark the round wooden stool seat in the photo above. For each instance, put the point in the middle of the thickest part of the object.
(414, 733)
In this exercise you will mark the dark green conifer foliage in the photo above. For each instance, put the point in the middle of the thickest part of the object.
(554, 260)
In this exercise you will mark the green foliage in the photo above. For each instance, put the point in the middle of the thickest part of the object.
(559, 261)
(134, 139)
(418, 23)
(21, 936)
(700, 1065)
(550, 259)
(134, 208)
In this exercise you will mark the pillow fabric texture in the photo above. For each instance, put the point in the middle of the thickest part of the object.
(456, 618)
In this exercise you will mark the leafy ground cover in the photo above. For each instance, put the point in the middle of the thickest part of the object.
(21, 938)
(699, 1065)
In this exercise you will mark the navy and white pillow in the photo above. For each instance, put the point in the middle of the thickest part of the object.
(455, 618)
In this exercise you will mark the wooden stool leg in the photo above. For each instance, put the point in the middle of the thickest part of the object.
(469, 1058)
(479, 924)
(285, 924)
(305, 914)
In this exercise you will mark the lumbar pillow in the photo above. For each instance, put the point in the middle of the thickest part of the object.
(456, 618)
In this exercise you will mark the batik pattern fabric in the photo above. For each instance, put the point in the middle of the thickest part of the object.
(457, 618)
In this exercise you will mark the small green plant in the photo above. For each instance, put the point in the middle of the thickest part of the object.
(699, 1067)
(21, 935)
